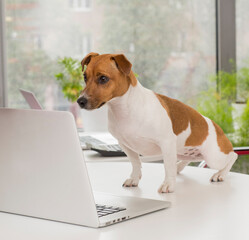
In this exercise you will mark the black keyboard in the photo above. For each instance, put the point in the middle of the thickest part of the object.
(104, 210)
(108, 150)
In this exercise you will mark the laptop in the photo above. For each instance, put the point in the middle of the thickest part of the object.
(44, 174)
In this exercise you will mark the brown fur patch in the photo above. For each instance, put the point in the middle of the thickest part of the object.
(181, 115)
(224, 144)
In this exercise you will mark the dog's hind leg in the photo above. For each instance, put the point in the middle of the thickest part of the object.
(184, 160)
(221, 174)
(136, 173)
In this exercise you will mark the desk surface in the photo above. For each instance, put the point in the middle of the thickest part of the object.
(200, 209)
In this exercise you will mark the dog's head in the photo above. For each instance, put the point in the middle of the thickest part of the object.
(106, 76)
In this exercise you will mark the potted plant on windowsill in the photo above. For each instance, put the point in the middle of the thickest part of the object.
(70, 79)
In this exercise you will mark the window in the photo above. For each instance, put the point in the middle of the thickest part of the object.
(85, 45)
(38, 33)
(242, 20)
(242, 23)
(172, 60)
(171, 43)
(242, 106)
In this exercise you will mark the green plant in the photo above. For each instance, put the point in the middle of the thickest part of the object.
(242, 136)
(70, 78)
(243, 81)
(216, 102)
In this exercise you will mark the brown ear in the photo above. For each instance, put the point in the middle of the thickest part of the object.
(87, 59)
(122, 63)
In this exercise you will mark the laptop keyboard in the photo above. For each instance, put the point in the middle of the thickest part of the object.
(104, 210)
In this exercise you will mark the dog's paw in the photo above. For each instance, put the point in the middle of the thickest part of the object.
(131, 182)
(167, 187)
(218, 177)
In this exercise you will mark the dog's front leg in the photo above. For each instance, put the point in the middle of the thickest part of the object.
(168, 149)
(136, 173)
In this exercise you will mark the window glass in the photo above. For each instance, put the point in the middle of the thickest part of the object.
(171, 43)
(242, 23)
(242, 50)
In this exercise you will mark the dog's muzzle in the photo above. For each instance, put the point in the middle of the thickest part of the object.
(82, 101)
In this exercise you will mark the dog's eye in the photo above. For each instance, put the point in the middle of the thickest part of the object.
(103, 79)
(85, 79)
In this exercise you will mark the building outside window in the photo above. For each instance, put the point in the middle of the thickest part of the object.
(80, 5)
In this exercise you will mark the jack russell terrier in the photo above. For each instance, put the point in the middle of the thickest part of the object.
(148, 123)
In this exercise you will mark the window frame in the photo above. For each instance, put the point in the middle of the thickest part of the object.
(225, 35)
(3, 65)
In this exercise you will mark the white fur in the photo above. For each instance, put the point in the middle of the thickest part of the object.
(142, 126)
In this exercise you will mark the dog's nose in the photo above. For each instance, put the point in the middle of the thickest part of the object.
(82, 101)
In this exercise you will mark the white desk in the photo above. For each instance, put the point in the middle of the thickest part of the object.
(200, 209)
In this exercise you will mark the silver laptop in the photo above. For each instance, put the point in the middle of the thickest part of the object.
(44, 174)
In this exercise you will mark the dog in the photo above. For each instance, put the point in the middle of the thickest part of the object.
(147, 123)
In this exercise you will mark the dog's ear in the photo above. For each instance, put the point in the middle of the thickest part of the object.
(87, 59)
(122, 63)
